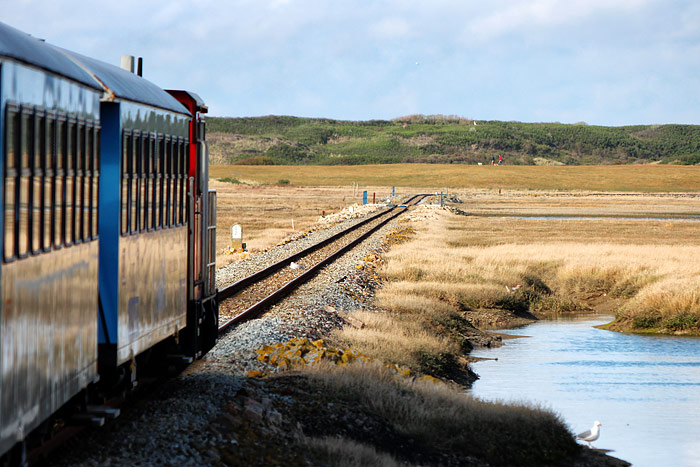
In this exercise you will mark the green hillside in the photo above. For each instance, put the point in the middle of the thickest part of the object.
(440, 139)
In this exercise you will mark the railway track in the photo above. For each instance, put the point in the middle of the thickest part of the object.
(250, 296)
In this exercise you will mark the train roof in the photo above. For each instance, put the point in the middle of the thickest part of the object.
(126, 85)
(25, 48)
(114, 81)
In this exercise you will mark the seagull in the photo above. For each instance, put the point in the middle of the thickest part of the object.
(590, 435)
(294, 265)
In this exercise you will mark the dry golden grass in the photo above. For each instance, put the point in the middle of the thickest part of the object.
(542, 203)
(446, 419)
(467, 262)
(644, 178)
(265, 212)
(398, 338)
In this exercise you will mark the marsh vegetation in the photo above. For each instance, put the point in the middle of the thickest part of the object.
(638, 269)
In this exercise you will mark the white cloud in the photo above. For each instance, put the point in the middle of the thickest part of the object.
(528, 15)
(391, 28)
(504, 59)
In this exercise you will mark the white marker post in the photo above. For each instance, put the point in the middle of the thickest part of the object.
(236, 238)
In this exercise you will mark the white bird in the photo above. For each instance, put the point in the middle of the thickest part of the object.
(294, 265)
(590, 435)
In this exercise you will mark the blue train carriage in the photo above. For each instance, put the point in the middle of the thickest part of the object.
(152, 298)
(50, 129)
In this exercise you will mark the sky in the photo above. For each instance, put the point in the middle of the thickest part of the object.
(603, 62)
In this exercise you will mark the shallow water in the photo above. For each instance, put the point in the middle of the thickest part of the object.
(644, 390)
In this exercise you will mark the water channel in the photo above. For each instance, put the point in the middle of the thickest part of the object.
(645, 390)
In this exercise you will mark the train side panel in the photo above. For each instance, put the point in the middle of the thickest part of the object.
(49, 270)
(143, 268)
(152, 290)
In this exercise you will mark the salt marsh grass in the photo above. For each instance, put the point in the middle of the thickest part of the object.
(400, 338)
(553, 265)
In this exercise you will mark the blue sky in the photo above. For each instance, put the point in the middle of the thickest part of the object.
(605, 62)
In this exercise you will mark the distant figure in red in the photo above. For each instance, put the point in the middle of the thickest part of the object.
(500, 159)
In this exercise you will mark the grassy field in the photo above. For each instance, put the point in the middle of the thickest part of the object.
(638, 269)
(269, 213)
(627, 178)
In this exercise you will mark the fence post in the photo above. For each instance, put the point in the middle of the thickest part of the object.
(364, 197)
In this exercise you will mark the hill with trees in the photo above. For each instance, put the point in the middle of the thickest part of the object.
(444, 139)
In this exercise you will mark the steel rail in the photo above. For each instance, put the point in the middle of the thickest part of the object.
(254, 310)
(234, 288)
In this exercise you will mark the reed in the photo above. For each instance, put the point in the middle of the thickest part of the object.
(472, 263)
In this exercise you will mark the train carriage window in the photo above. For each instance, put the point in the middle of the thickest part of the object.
(177, 181)
(95, 205)
(69, 164)
(37, 199)
(81, 178)
(143, 179)
(80, 146)
(25, 179)
(158, 182)
(173, 182)
(89, 174)
(59, 181)
(148, 178)
(126, 184)
(78, 157)
(167, 158)
(37, 196)
(10, 157)
(49, 179)
(86, 181)
(183, 182)
(153, 163)
(134, 183)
